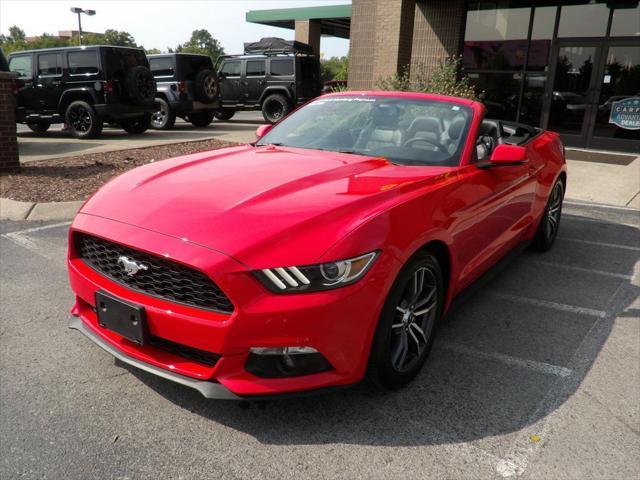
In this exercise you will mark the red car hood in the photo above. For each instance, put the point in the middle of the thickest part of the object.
(264, 206)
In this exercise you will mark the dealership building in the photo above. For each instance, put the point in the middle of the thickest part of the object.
(570, 66)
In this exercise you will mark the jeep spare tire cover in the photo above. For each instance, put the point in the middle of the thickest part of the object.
(206, 86)
(140, 85)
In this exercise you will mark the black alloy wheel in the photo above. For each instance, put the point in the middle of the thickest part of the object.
(550, 223)
(82, 120)
(407, 325)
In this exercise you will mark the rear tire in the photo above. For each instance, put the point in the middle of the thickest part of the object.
(275, 107)
(39, 127)
(82, 120)
(200, 119)
(406, 327)
(224, 114)
(136, 126)
(164, 117)
(550, 221)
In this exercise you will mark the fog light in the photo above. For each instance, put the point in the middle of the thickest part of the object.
(280, 362)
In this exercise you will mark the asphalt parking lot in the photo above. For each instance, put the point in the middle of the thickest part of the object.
(55, 143)
(535, 373)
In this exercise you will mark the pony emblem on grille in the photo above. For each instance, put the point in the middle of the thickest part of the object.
(131, 267)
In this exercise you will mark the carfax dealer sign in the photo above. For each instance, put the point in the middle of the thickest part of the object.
(626, 113)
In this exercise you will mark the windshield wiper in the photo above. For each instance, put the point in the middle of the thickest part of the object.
(274, 144)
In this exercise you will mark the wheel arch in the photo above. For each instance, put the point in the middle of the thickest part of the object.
(70, 96)
(274, 90)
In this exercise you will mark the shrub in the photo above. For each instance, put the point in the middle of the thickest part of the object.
(444, 80)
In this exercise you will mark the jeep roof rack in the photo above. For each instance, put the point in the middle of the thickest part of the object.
(275, 46)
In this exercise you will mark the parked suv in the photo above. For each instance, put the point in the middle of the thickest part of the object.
(187, 88)
(84, 87)
(273, 75)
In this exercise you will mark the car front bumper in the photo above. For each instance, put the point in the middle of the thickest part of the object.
(338, 323)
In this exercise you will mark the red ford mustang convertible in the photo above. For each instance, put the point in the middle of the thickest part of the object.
(324, 253)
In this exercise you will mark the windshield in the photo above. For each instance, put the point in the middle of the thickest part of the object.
(404, 130)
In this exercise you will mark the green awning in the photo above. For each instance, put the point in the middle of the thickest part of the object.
(335, 20)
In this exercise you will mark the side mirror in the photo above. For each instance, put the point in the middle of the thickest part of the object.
(262, 130)
(221, 76)
(505, 156)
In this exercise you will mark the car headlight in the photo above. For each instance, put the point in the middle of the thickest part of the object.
(312, 278)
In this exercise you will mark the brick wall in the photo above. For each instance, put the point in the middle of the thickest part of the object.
(386, 35)
(381, 38)
(438, 31)
(8, 141)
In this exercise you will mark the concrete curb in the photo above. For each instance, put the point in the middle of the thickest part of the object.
(31, 211)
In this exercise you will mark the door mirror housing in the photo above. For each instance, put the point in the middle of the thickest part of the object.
(505, 155)
(262, 130)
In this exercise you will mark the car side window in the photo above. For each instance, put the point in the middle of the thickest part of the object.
(231, 69)
(255, 68)
(49, 64)
(82, 63)
(21, 65)
(281, 68)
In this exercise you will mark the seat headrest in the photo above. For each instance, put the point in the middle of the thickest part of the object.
(456, 127)
(425, 124)
(385, 115)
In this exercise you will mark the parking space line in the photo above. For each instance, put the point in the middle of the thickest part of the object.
(600, 244)
(600, 206)
(580, 269)
(21, 238)
(553, 305)
(508, 359)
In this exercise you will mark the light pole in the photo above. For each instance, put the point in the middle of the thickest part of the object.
(80, 11)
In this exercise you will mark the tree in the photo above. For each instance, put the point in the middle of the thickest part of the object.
(152, 51)
(334, 68)
(202, 42)
(16, 34)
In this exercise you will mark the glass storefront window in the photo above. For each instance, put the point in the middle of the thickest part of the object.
(626, 22)
(621, 80)
(501, 92)
(496, 35)
(532, 98)
(586, 20)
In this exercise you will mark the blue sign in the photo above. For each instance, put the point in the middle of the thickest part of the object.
(626, 113)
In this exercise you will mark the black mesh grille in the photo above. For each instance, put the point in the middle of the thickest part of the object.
(200, 356)
(162, 278)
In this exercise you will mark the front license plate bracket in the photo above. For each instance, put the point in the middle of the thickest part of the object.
(121, 317)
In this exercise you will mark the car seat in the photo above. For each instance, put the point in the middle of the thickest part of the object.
(383, 130)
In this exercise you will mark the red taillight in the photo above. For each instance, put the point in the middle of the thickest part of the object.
(182, 87)
(107, 86)
(16, 87)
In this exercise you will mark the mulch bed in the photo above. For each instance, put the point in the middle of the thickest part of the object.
(75, 178)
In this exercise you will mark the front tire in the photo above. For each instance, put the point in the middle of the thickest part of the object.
(275, 107)
(39, 127)
(547, 231)
(200, 119)
(164, 117)
(82, 120)
(224, 114)
(136, 126)
(406, 326)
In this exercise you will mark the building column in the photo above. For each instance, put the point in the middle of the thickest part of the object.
(380, 40)
(438, 32)
(308, 31)
(8, 141)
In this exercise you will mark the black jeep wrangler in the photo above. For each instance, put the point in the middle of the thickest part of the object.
(187, 88)
(273, 75)
(84, 87)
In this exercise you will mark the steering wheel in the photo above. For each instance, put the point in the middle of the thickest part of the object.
(438, 146)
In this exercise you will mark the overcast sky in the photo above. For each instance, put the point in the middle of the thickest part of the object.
(161, 23)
